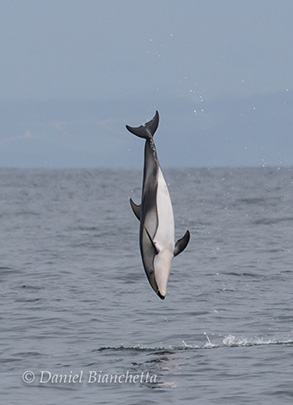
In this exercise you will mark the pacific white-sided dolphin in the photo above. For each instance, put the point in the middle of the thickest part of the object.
(156, 233)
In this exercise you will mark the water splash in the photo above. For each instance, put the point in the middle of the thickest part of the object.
(233, 341)
(209, 344)
(228, 341)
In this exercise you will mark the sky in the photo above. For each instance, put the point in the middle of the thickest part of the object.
(74, 72)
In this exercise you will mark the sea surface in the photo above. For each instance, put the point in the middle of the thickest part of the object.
(80, 323)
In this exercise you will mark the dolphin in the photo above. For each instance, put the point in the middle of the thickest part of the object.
(155, 213)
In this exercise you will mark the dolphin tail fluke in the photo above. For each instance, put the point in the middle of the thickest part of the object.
(147, 130)
(181, 244)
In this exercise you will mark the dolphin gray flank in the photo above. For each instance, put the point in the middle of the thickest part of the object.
(155, 213)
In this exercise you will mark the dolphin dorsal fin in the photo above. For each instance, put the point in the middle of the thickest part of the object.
(181, 244)
(135, 209)
(147, 130)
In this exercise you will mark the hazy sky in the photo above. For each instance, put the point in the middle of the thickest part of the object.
(144, 51)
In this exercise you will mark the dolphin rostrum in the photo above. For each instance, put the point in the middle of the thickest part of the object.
(156, 233)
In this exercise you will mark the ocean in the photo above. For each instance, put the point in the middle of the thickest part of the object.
(80, 323)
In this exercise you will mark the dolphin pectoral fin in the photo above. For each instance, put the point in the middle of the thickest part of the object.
(135, 209)
(181, 244)
(152, 242)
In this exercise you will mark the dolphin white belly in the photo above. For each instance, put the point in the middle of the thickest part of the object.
(164, 237)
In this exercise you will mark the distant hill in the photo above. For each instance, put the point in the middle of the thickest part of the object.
(252, 131)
